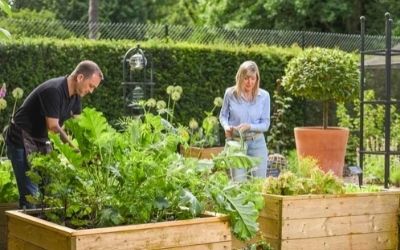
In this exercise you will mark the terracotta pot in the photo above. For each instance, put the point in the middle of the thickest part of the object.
(328, 146)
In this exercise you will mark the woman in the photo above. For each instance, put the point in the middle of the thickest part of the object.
(246, 110)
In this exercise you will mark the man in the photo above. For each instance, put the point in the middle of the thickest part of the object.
(45, 109)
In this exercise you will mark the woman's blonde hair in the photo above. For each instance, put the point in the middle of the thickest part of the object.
(247, 68)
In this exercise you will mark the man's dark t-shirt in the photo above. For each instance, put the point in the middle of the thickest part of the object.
(50, 99)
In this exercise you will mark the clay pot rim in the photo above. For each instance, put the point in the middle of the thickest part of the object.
(321, 128)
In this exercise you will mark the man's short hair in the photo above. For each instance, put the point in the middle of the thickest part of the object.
(87, 68)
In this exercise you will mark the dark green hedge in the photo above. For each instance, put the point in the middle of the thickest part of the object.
(203, 71)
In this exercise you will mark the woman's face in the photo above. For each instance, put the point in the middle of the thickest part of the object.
(249, 82)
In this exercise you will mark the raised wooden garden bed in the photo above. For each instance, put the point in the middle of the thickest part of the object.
(29, 232)
(201, 153)
(350, 221)
(3, 222)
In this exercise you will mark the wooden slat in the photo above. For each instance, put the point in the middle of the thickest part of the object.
(18, 244)
(334, 226)
(39, 222)
(340, 206)
(158, 238)
(37, 235)
(237, 244)
(329, 196)
(274, 243)
(211, 246)
(208, 232)
(217, 218)
(3, 222)
(4, 207)
(272, 208)
(270, 228)
(345, 242)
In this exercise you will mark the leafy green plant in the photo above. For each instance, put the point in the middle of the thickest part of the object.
(308, 179)
(5, 7)
(134, 176)
(17, 94)
(395, 176)
(324, 75)
(8, 185)
(174, 95)
(373, 136)
(373, 128)
(234, 155)
(205, 136)
(208, 134)
(353, 188)
(278, 139)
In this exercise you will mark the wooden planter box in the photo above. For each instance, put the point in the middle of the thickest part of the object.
(28, 232)
(351, 221)
(200, 153)
(3, 222)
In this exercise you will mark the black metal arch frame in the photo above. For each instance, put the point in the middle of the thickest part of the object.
(387, 102)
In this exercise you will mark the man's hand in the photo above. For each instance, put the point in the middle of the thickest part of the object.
(53, 125)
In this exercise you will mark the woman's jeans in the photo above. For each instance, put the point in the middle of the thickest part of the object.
(256, 148)
(20, 166)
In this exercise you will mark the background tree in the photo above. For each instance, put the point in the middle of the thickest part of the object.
(93, 18)
(310, 15)
(5, 8)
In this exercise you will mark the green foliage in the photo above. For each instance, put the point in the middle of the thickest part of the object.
(324, 75)
(234, 155)
(353, 188)
(324, 16)
(8, 185)
(112, 10)
(134, 176)
(395, 175)
(308, 179)
(4, 7)
(349, 116)
(208, 134)
(16, 95)
(279, 138)
(21, 29)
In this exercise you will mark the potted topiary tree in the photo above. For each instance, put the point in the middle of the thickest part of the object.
(326, 75)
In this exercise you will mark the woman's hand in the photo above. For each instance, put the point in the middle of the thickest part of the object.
(243, 127)
(229, 133)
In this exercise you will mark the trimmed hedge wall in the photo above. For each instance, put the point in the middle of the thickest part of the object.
(203, 71)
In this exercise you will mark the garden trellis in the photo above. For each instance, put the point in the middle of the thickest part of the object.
(388, 52)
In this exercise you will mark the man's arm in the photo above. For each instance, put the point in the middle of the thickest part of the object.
(53, 125)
